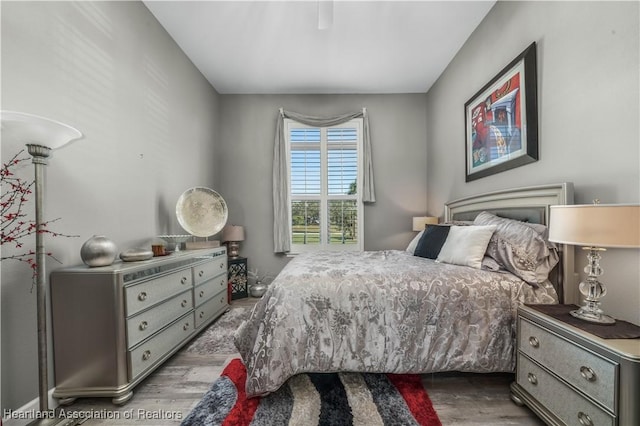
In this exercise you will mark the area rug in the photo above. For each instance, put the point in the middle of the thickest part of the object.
(218, 337)
(317, 399)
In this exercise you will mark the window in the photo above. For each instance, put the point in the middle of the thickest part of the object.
(325, 186)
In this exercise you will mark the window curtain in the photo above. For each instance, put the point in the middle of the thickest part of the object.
(281, 213)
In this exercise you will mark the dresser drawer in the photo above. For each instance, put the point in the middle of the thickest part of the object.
(146, 294)
(206, 271)
(592, 374)
(143, 325)
(210, 308)
(150, 352)
(564, 402)
(209, 289)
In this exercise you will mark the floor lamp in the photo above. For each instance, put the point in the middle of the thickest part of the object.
(41, 136)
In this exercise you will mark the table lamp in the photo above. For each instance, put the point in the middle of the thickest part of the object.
(421, 222)
(41, 136)
(594, 227)
(232, 235)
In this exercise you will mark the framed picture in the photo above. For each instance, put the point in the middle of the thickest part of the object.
(501, 120)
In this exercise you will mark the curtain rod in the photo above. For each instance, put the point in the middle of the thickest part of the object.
(364, 111)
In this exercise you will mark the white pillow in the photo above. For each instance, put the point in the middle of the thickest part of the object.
(411, 248)
(466, 245)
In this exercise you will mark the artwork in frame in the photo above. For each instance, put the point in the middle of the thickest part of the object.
(501, 120)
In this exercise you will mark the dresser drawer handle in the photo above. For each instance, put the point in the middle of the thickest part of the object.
(222, 300)
(184, 303)
(146, 355)
(534, 342)
(142, 296)
(588, 374)
(584, 418)
(183, 280)
(532, 379)
(144, 325)
(222, 265)
(185, 326)
(201, 314)
(201, 293)
(201, 273)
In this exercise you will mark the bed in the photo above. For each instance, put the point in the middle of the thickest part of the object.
(392, 311)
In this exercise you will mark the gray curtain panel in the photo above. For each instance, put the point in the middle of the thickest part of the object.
(281, 213)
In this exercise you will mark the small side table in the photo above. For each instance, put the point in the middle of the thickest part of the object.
(238, 277)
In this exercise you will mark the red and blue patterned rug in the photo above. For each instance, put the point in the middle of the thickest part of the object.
(330, 399)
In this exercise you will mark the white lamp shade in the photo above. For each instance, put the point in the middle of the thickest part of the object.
(596, 225)
(32, 129)
(420, 222)
(233, 233)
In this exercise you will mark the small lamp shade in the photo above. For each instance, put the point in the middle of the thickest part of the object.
(596, 225)
(420, 222)
(233, 233)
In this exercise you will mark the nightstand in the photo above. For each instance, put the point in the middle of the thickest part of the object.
(238, 277)
(569, 376)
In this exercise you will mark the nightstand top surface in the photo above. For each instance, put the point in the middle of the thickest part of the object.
(626, 348)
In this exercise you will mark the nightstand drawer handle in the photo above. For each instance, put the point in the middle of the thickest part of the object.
(185, 327)
(585, 420)
(534, 342)
(532, 379)
(144, 325)
(142, 296)
(588, 374)
(146, 355)
(184, 303)
(201, 314)
(201, 273)
(201, 293)
(183, 280)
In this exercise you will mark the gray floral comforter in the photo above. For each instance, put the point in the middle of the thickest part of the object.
(381, 311)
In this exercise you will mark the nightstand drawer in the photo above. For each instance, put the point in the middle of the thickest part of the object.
(557, 397)
(592, 374)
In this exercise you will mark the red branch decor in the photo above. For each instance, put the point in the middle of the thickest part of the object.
(15, 224)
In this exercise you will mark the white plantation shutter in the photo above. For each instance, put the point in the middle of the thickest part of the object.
(281, 191)
(325, 200)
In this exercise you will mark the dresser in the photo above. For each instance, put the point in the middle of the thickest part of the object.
(114, 325)
(568, 376)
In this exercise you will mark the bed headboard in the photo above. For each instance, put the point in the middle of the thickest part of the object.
(529, 204)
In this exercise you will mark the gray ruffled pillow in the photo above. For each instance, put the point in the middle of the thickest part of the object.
(520, 248)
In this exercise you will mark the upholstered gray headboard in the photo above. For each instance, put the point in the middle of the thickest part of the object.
(529, 204)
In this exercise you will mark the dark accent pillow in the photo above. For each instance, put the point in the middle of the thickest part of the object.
(432, 240)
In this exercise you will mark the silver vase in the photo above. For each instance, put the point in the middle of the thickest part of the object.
(98, 251)
(257, 289)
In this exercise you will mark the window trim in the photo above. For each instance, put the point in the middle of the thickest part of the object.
(324, 197)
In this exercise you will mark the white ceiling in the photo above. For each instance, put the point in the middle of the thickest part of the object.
(271, 47)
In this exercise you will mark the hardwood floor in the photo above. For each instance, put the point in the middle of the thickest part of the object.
(169, 394)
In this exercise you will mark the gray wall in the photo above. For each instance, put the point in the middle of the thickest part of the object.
(150, 125)
(398, 132)
(589, 99)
